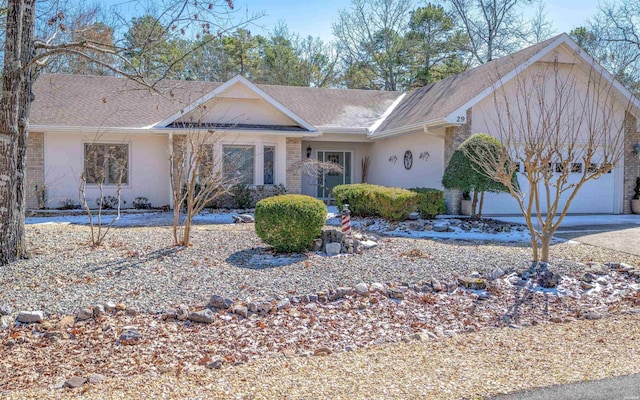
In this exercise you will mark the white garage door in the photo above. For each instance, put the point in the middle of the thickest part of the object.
(597, 196)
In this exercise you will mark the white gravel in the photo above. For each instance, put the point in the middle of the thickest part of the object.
(141, 268)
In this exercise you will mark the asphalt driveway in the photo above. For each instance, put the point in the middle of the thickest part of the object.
(615, 232)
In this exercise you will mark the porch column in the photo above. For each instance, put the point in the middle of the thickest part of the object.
(454, 136)
(294, 175)
(631, 160)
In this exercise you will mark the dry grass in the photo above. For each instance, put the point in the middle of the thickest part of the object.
(472, 365)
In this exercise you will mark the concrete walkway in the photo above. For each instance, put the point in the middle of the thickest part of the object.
(615, 232)
(622, 388)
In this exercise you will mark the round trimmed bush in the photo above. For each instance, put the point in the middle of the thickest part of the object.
(289, 222)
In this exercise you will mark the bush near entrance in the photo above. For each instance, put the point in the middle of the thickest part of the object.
(289, 222)
(393, 204)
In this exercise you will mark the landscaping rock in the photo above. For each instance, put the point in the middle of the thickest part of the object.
(243, 218)
(436, 285)
(215, 364)
(84, 314)
(316, 245)
(496, 274)
(94, 379)
(333, 249)
(75, 382)
(344, 291)
(182, 313)
(378, 287)
(368, 244)
(283, 304)
(109, 306)
(265, 307)
(423, 336)
(130, 334)
(362, 289)
(548, 279)
(28, 317)
(473, 283)
(416, 226)
(588, 277)
(205, 316)
(5, 309)
(132, 311)
(241, 310)
(414, 215)
(596, 268)
(397, 293)
(5, 322)
(170, 314)
(220, 302)
(98, 310)
(440, 226)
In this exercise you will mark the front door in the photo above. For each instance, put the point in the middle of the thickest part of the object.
(331, 179)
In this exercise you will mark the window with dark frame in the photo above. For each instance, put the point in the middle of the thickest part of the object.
(576, 167)
(268, 166)
(238, 163)
(106, 163)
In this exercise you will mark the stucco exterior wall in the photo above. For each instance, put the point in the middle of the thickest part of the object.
(603, 195)
(148, 164)
(148, 167)
(425, 172)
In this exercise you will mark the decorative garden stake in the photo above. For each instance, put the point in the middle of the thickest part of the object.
(346, 220)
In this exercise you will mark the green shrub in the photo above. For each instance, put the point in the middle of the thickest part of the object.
(289, 222)
(141, 203)
(242, 195)
(430, 202)
(394, 204)
(359, 198)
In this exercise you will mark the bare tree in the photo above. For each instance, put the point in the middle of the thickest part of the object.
(24, 54)
(561, 127)
(105, 164)
(495, 27)
(199, 174)
(371, 35)
(314, 170)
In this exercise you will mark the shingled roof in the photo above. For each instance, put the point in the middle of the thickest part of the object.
(112, 102)
(441, 98)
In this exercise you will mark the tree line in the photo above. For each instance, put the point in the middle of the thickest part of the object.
(377, 44)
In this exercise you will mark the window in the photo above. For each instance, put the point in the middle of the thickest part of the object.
(238, 164)
(559, 168)
(106, 163)
(576, 167)
(269, 159)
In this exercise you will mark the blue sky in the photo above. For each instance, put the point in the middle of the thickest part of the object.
(314, 17)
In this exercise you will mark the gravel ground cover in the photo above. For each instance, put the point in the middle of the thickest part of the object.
(334, 346)
(139, 267)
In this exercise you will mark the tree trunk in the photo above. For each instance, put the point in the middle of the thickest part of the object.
(480, 205)
(544, 247)
(14, 125)
(474, 203)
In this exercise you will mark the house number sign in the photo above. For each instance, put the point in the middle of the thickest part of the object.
(408, 159)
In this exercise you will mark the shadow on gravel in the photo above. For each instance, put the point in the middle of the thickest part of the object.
(263, 258)
(134, 261)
